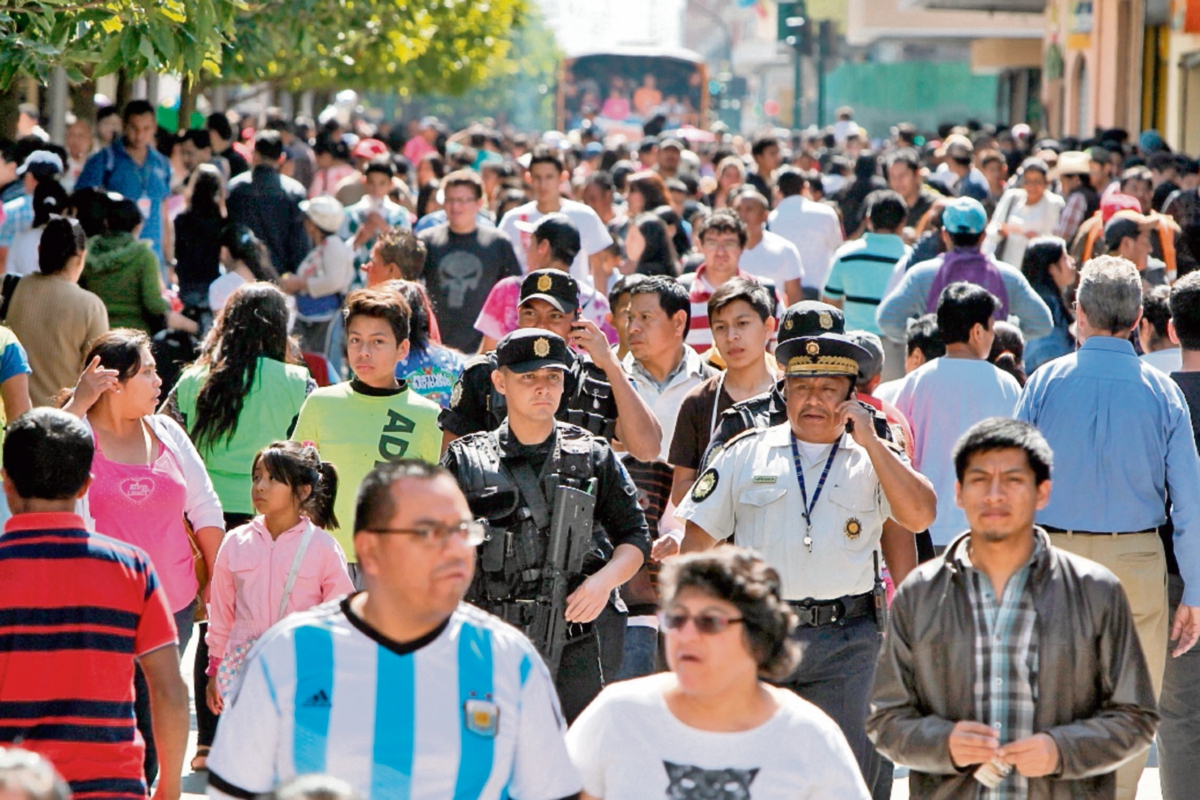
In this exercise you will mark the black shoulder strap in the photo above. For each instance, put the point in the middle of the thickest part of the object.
(531, 492)
(6, 292)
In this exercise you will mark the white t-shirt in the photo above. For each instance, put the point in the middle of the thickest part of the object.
(628, 744)
(1169, 360)
(815, 230)
(23, 255)
(220, 290)
(942, 399)
(775, 258)
(592, 234)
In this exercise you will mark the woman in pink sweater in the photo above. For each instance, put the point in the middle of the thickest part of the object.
(281, 562)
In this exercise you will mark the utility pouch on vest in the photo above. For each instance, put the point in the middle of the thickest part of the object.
(491, 552)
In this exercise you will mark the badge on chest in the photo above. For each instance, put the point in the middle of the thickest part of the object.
(481, 717)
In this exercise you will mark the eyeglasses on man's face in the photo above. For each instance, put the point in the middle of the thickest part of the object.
(473, 533)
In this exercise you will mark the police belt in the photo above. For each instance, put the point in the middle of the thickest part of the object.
(818, 613)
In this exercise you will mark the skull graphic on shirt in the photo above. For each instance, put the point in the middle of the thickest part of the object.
(460, 272)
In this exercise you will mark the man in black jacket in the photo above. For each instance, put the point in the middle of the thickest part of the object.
(1008, 661)
(269, 204)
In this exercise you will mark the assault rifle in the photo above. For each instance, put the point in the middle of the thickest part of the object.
(570, 539)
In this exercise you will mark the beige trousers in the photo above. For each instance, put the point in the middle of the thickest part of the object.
(1139, 562)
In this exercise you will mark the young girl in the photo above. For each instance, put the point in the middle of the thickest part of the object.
(279, 563)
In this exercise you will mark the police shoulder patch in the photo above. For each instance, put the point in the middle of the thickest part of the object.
(456, 394)
(705, 485)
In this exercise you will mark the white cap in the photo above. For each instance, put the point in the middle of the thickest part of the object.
(325, 212)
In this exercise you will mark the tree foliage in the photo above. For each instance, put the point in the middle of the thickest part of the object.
(90, 38)
(394, 45)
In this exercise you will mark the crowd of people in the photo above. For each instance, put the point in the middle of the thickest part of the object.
(484, 465)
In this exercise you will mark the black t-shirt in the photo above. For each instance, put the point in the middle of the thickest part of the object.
(197, 250)
(1189, 382)
(237, 164)
(694, 425)
(460, 271)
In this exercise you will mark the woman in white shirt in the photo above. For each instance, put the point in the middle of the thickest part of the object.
(244, 259)
(1023, 213)
(48, 199)
(713, 726)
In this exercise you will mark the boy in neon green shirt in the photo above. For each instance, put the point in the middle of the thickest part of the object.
(373, 418)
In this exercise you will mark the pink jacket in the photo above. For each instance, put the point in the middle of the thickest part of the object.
(249, 575)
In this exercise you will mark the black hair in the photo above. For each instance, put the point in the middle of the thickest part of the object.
(1008, 350)
(1185, 310)
(1040, 254)
(418, 326)
(245, 247)
(790, 181)
(382, 165)
(48, 454)
(762, 144)
(563, 248)
(380, 302)
(1003, 433)
(679, 239)
(374, 506)
(120, 349)
(90, 207)
(1156, 309)
(62, 239)
(749, 291)
(335, 147)
(268, 145)
(164, 141)
(106, 112)
(198, 137)
(722, 221)
(123, 216)
(299, 465)
(49, 199)
(544, 155)
(136, 108)
(206, 192)
(965, 239)
(659, 256)
(624, 285)
(961, 307)
(672, 296)
(886, 210)
(743, 579)
(426, 194)
(600, 178)
(219, 124)
(923, 335)
(906, 156)
(252, 325)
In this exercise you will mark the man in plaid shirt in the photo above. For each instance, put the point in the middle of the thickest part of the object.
(1011, 669)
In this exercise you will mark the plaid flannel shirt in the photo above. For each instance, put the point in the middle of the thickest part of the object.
(1006, 663)
(18, 218)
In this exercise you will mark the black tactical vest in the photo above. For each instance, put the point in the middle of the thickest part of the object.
(589, 404)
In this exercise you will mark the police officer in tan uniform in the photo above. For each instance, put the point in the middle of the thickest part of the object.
(812, 495)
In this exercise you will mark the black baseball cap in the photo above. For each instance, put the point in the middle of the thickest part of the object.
(558, 230)
(554, 286)
(528, 349)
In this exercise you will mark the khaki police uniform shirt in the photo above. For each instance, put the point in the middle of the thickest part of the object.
(750, 491)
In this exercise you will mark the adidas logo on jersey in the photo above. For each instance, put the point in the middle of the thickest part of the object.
(318, 700)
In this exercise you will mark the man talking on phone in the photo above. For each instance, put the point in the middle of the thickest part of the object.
(597, 393)
(812, 495)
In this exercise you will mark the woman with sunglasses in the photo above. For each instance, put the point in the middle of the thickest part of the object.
(713, 726)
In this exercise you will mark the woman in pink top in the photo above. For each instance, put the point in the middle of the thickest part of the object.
(147, 478)
(281, 562)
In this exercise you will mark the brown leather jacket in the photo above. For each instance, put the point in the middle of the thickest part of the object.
(1094, 692)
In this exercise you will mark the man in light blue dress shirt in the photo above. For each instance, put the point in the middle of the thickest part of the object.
(1123, 448)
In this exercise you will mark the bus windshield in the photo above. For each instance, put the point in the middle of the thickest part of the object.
(622, 92)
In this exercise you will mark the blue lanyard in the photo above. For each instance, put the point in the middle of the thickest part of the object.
(808, 507)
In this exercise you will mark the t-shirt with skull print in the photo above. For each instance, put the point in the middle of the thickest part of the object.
(460, 271)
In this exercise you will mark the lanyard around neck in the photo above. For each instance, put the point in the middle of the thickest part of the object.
(808, 507)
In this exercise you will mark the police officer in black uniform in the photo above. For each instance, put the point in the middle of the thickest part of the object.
(510, 475)
(597, 395)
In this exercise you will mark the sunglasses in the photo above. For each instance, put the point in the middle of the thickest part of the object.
(707, 624)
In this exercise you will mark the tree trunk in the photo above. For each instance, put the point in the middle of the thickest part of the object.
(125, 83)
(187, 103)
(10, 100)
(83, 101)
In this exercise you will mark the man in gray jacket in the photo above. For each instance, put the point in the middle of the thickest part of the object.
(1008, 661)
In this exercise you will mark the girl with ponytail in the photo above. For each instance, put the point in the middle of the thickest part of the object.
(281, 562)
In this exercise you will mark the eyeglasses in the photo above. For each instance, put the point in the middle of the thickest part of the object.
(707, 624)
(473, 533)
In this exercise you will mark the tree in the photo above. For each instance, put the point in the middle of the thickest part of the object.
(407, 46)
(91, 38)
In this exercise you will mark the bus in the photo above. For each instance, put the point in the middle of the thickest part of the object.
(621, 89)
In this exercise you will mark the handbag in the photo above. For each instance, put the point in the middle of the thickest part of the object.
(201, 570)
(234, 659)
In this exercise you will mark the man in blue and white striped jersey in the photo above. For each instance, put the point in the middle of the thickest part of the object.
(402, 690)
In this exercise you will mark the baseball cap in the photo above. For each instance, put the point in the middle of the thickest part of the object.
(1074, 162)
(528, 349)
(872, 365)
(1117, 201)
(369, 148)
(42, 163)
(554, 286)
(964, 215)
(669, 143)
(325, 212)
(593, 149)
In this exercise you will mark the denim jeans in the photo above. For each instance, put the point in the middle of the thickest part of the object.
(641, 652)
